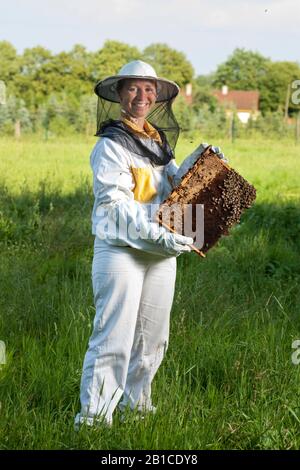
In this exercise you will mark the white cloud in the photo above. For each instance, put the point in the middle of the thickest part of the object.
(206, 30)
(250, 14)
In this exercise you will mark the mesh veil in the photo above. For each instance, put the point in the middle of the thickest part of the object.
(161, 117)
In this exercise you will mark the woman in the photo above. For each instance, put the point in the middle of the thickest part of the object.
(134, 264)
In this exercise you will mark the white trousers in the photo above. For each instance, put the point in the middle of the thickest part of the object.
(133, 294)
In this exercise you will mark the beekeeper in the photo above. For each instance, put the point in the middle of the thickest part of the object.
(134, 264)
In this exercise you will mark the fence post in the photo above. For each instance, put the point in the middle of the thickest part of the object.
(297, 128)
(2, 92)
(287, 100)
(232, 128)
(17, 129)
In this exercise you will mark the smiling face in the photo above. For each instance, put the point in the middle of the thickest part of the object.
(137, 96)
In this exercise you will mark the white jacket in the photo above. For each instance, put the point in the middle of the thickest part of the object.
(128, 189)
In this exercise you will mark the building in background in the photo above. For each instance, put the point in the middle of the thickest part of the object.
(246, 103)
(187, 93)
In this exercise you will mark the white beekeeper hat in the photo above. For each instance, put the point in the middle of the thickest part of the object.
(107, 88)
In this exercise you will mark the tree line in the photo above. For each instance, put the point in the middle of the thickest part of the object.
(46, 91)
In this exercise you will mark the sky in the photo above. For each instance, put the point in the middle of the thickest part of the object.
(206, 31)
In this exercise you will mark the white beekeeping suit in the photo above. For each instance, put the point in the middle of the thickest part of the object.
(128, 190)
(134, 263)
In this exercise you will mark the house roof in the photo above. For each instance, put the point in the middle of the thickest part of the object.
(243, 100)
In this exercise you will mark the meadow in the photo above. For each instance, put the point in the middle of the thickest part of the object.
(227, 381)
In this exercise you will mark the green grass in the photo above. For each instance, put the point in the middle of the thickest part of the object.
(227, 380)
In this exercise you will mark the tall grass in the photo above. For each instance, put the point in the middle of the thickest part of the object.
(227, 380)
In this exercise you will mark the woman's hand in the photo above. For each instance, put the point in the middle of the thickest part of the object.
(175, 244)
(190, 160)
(217, 151)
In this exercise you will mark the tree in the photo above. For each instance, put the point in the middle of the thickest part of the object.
(86, 121)
(108, 60)
(169, 63)
(274, 86)
(202, 94)
(33, 60)
(14, 115)
(183, 113)
(68, 72)
(243, 70)
(9, 64)
(30, 84)
(247, 70)
(43, 74)
(77, 71)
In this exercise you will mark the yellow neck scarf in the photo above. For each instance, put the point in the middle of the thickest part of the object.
(148, 131)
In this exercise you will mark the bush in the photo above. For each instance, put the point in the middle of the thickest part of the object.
(271, 124)
(14, 110)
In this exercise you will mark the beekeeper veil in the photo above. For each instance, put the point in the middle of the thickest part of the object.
(161, 116)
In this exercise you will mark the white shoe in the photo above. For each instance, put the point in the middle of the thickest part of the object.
(136, 414)
(147, 409)
(91, 422)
